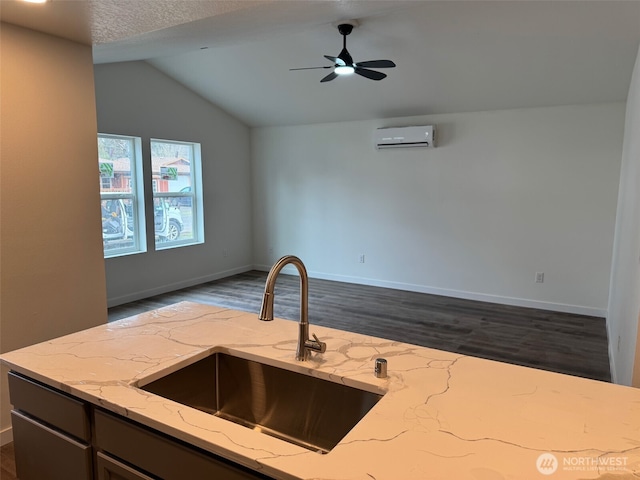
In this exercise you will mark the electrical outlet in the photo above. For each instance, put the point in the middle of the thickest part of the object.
(225, 253)
(539, 277)
(361, 258)
(619, 338)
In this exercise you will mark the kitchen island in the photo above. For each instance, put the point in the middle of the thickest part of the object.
(442, 415)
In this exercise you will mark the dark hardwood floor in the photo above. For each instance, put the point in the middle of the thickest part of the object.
(7, 463)
(559, 342)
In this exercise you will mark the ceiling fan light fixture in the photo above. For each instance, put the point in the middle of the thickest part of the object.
(344, 70)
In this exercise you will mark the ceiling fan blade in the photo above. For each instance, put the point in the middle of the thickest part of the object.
(376, 64)
(335, 60)
(329, 77)
(308, 68)
(372, 74)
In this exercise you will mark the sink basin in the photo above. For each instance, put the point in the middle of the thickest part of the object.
(310, 412)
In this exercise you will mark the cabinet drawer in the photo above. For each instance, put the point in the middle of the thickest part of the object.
(110, 469)
(161, 455)
(42, 452)
(49, 405)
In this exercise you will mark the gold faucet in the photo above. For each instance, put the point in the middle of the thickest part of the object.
(305, 345)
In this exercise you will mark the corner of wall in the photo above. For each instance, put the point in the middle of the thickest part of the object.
(612, 357)
(624, 286)
(635, 380)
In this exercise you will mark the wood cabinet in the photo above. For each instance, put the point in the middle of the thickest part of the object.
(51, 433)
(60, 437)
(161, 455)
(108, 468)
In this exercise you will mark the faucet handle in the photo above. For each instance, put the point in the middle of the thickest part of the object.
(317, 345)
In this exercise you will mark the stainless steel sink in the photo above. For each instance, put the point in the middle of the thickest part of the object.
(308, 411)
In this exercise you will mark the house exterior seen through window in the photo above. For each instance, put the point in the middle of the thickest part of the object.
(177, 199)
(121, 198)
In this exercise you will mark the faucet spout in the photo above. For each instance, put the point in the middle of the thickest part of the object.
(305, 345)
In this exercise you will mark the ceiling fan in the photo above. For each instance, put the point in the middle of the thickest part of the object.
(343, 64)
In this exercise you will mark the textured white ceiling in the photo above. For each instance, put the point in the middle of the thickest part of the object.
(97, 22)
(452, 56)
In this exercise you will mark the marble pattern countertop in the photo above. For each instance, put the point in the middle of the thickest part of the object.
(444, 416)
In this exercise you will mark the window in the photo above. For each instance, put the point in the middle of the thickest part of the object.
(120, 167)
(177, 201)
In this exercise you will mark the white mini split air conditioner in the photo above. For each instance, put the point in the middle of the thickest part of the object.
(403, 137)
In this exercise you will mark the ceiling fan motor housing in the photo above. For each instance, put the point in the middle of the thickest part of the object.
(345, 28)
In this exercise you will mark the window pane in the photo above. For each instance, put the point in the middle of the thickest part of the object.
(115, 159)
(168, 221)
(175, 166)
(118, 224)
(171, 166)
(118, 162)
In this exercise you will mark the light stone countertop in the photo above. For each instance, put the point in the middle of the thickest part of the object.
(444, 416)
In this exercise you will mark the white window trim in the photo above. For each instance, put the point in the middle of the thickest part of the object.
(137, 195)
(195, 194)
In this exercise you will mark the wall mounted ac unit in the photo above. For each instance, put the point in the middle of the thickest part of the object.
(403, 137)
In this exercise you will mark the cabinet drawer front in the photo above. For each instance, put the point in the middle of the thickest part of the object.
(42, 452)
(49, 405)
(161, 455)
(111, 469)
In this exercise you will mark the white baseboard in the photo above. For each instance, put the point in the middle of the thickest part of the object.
(482, 297)
(6, 436)
(132, 297)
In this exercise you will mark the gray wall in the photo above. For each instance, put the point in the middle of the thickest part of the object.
(52, 271)
(624, 302)
(506, 194)
(136, 99)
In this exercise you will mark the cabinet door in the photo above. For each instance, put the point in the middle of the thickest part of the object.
(44, 453)
(111, 469)
(51, 406)
(161, 455)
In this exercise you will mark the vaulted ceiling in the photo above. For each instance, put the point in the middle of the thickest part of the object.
(451, 56)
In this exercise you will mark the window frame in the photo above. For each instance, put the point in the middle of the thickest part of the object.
(195, 194)
(136, 196)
